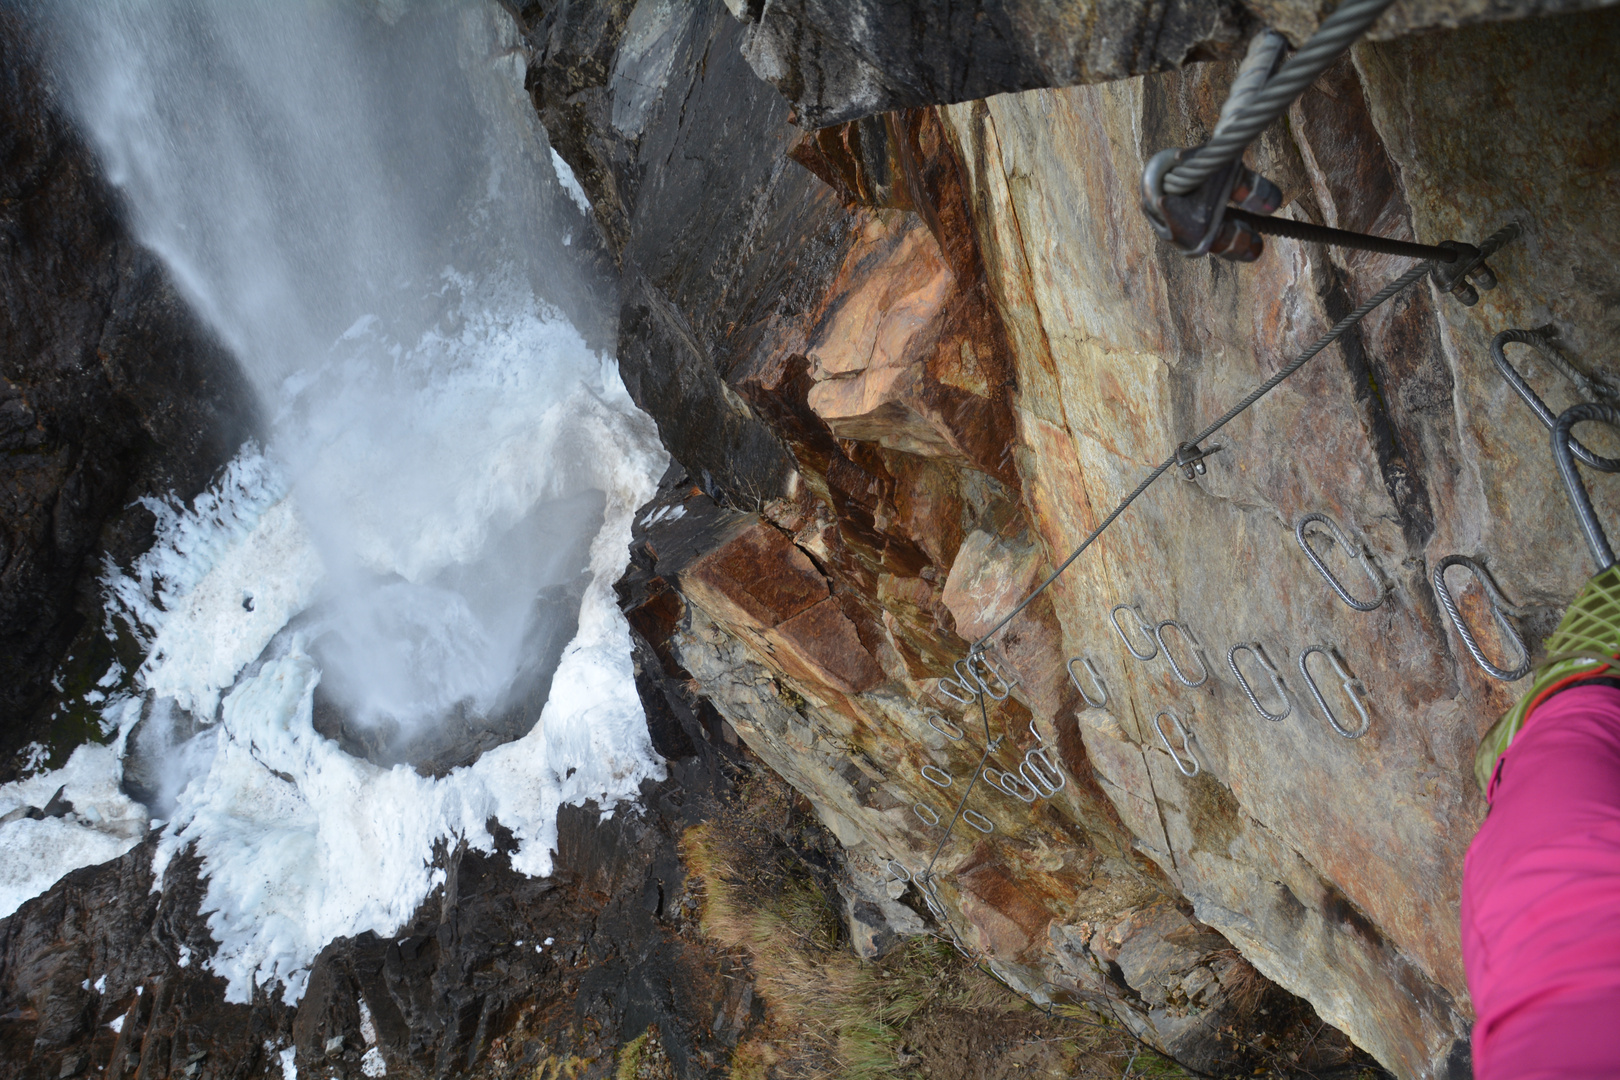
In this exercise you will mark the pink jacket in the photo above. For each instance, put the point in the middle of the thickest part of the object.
(1541, 898)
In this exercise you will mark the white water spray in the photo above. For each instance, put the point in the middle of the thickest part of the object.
(359, 200)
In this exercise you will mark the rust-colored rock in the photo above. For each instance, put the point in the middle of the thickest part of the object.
(822, 643)
(756, 578)
(1332, 865)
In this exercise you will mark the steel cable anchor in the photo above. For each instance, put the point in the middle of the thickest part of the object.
(1465, 273)
(1198, 223)
(1190, 459)
(1203, 223)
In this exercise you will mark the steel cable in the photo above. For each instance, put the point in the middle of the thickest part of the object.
(1407, 279)
(1231, 137)
(1490, 246)
(984, 715)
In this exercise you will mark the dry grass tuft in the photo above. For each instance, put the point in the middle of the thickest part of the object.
(643, 1058)
(921, 1010)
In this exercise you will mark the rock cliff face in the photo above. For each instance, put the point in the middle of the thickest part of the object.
(908, 354)
(109, 390)
(497, 974)
(969, 347)
(838, 62)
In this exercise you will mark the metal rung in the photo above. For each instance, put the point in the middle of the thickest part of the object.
(1500, 610)
(949, 687)
(1198, 652)
(1041, 774)
(1563, 442)
(1591, 389)
(1143, 626)
(1096, 680)
(1271, 672)
(1186, 743)
(1351, 685)
(1007, 783)
(1355, 551)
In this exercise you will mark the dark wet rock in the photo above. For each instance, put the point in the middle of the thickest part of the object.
(840, 61)
(110, 389)
(492, 965)
(718, 238)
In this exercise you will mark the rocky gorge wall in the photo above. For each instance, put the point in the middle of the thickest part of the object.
(968, 346)
(907, 353)
(110, 390)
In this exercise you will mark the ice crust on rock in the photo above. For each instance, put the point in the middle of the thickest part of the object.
(437, 424)
(301, 842)
(104, 824)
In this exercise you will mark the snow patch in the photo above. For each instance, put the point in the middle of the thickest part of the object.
(570, 184)
(663, 513)
(36, 852)
(368, 1027)
(302, 843)
(186, 596)
(34, 756)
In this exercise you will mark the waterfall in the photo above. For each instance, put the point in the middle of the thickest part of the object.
(418, 562)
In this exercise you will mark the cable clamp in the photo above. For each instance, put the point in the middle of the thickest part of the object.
(1190, 457)
(1461, 276)
(1196, 224)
